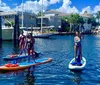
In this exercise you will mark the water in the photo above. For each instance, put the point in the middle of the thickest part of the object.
(60, 49)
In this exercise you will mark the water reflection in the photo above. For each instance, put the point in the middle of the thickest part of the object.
(21, 77)
(77, 77)
(1, 52)
(30, 79)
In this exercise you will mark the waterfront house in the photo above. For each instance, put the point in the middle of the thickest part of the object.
(29, 19)
(50, 18)
(8, 21)
(87, 26)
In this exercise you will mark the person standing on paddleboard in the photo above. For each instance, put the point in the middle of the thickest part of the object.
(22, 39)
(77, 47)
(30, 41)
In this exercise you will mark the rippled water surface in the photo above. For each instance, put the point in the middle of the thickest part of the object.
(60, 49)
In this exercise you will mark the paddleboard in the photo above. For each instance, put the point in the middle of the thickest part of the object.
(24, 65)
(16, 56)
(77, 67)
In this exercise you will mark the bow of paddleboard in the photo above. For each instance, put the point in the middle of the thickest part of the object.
(25, 65)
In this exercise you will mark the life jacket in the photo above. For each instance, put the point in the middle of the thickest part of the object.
(11, 65)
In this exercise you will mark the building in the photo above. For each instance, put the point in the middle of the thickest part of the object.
(50, 18)
(87, 26)
(8, 21)
(29, 19)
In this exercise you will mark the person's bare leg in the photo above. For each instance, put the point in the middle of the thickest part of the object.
(33, 56)
(28, 55)
(75, 52)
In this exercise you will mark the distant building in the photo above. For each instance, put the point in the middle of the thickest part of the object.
(29, 19)
(87, 26)
(50, 18)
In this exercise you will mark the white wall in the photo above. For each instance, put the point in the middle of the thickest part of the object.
(87, 27)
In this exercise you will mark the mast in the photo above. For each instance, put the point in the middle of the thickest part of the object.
(42, 17)
(22, 12)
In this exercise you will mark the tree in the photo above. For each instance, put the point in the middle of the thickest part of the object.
(98, 16)
(93, 20)
(74, 20)
(12, 22)
(39, 14)
(85, 12)
(81, 21)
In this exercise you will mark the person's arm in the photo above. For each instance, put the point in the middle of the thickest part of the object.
(25, 46)
(75, 41)
(33, 40)
(19, 37)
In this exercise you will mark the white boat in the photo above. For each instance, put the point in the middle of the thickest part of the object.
(77, 67)
(36, 34)
(42, 35)
(7, 32)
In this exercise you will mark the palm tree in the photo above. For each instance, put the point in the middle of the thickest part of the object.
(74, 21)
(98, 16)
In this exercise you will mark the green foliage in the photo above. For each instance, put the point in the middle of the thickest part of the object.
(39, 14)
(92, 20)
(7, 24)
(64, 18)
(75, 19)
(81, 21)
(67, 29)
(98, 14)
(12, 22)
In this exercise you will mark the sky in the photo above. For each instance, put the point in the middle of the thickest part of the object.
(64, 6)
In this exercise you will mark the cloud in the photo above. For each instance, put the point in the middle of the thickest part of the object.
(54, 1)
(36, 6)
(88, 9)
(32, 6)
(65, 8)
(96, 8)
(4, 7)
(45, 4)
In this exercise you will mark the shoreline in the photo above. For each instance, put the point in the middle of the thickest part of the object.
(58, 33)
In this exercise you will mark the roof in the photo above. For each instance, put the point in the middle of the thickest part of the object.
(52, 12)
(86, 15)
(7, 13)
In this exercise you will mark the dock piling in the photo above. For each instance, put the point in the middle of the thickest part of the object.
(0, 30)
(16, 30)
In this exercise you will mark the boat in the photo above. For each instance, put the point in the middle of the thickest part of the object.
(24, 65)
(42, 36)
(77, 67)
(36, 33)
(17, 56)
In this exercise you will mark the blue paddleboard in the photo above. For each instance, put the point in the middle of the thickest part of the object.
(16, 56)
(24, 65)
